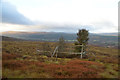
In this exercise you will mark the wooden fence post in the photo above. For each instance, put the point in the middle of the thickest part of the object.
(82, 51)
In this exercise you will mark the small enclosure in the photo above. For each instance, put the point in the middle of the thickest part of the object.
(53, 50)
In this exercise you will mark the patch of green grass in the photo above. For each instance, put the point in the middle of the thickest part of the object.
(15, 74)
(93, 66)
(51, 61)
(109, 71)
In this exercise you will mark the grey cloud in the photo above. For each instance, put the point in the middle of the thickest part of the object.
(97, 27)
(11, 15)
(105, 25)
(63, 27)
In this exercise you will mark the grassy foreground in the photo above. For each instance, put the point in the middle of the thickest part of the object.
(21, 61)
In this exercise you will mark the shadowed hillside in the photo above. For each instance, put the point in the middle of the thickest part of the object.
(4, 38)
(95, 39)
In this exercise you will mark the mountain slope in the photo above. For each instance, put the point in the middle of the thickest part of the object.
(4, 38)
(96, 39)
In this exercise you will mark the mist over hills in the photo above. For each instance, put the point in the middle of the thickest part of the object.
(103, 39)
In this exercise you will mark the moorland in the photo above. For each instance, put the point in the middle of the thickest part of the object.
(20, 59)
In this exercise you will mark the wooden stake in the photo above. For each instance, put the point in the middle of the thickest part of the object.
(82, 51)
(56, 56)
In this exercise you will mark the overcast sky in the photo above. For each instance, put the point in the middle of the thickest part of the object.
(97, 16)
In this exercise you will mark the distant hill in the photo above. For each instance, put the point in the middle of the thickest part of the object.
(4, 38)
(109, 34)
(96, 39)
(46, 36)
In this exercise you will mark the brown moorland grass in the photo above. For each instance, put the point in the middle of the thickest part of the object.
(72, 69)
(21, 61)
